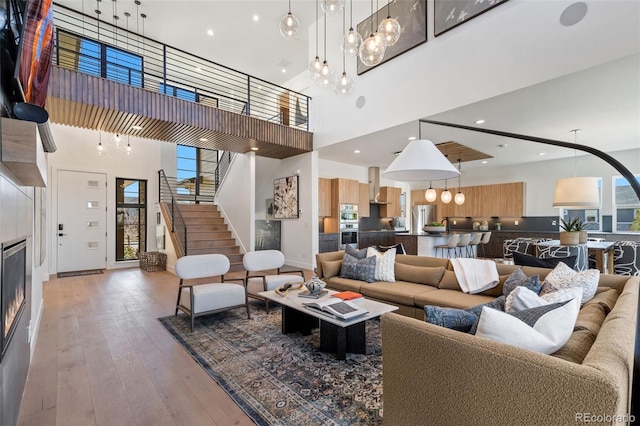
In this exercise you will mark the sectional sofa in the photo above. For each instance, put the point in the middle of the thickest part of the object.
(433, 375)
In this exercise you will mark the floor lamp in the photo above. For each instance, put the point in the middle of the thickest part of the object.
(626, 173)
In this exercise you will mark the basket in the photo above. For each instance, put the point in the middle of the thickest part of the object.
(153, 261)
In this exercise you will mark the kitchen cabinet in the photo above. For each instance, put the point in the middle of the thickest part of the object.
(390, 195)
(345, 191)
(324, 197)
(376, 238)
(363, 205)
(500, 200)
(328, 242)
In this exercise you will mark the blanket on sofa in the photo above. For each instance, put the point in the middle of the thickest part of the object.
(475, 275)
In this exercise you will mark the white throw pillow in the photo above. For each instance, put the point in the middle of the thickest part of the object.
(564, 295)
(385, 264)
(522, 298)
(563, 277)
(549, 333)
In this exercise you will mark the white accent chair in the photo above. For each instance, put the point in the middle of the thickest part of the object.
(258, 264)
(210, 297)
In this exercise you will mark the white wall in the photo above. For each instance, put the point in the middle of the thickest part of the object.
(76, 151)
(332, 169)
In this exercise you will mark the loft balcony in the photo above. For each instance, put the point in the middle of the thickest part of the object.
(109, 79)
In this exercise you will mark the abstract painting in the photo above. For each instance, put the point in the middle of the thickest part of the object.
(268, 212)
(451, 13)
(285, 198)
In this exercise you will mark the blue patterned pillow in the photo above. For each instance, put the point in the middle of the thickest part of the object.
(358, 269)
(519, 278)
(455, 319)
(358, 254)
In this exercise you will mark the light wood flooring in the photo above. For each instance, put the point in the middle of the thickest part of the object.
(103, 358)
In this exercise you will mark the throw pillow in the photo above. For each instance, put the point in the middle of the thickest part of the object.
(358, 254)
(564, 277)
(521, 298)
(384, 264)
(563, 295)
(419, 274)
(399, 248)
(455, 319)
(544, 329)
(519, 278)
(358, 269)
(524, 259)
(331, 268)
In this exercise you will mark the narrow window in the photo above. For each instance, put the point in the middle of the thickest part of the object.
(131, 218)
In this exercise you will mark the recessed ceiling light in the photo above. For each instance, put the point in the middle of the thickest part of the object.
(137, 127)
(284, 70)
(210, 32)
(484, 162)
(542, 153)
(357, 151)
(412, 138)
(254, 148)
(503, 145)
(256, 17)
(479, 121)
(203, 140)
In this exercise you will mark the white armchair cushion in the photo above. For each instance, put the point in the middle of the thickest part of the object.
(209, 297)
(255, 285)
(262, 260)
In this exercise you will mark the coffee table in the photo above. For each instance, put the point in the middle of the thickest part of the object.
(336, 335)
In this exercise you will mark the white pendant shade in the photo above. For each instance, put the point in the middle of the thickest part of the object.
(577, 192)
(420, 161)
(430, 195)
(459, 198)
(446, 196)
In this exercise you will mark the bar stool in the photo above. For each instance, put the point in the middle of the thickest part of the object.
(451, 245)
(463, 244)
(477, 236)
(486, 236)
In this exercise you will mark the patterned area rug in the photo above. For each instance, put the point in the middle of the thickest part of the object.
(79, 273)
(282, 379)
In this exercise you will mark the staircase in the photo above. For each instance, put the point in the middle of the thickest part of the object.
(207, 232)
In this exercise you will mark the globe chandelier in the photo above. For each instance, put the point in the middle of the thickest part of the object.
(289, 25)
(352, 39)
(327, 75)
(390, 29)
(344, 83)
(316, 64)
(372, 49)
(331, 7)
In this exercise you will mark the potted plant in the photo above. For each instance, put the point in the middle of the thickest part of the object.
(434, 228)
(570, 234)
(582, 232)
(498, 226)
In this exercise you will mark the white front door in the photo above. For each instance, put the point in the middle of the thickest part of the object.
(82, 221)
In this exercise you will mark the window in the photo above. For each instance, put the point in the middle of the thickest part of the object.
(131, 218)
(626, 212)
(194, 162)
(187, 95)
(95, 58)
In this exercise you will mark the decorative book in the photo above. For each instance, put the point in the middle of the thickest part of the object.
(339, 310)
(347, 295)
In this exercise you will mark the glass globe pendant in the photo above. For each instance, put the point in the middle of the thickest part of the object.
(331, 7)
(326, 77)
(314, 68)
(390, 29)
(289, 26)
(344, 85)
(351, 42)
(430, 194)
(371, 52)
(446, 196)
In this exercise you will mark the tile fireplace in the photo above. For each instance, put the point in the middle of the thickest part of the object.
(13, 286)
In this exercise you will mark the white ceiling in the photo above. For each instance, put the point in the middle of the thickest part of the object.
(603, 101)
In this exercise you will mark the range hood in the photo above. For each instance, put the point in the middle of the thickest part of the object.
(374, 186)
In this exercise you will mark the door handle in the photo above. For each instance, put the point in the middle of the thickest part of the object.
(61, 235)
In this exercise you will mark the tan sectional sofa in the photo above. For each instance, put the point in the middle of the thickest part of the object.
(433, 375)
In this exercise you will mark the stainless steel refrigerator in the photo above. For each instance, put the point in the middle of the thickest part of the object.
(422, 215)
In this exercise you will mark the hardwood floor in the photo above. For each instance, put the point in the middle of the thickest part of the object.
(103, 358)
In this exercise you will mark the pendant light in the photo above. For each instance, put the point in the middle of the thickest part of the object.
(576, 192)
(327, 76)
(316, 64)
(430, 194)
(101, 150)
(331, 7)
(289, 25)
(446, 196)
(390, 29)
(459, 198)
(352, 40)
(128, 150)
(344, 83)
(372, 49)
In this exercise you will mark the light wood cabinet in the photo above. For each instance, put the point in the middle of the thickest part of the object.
(324, 197)
(391, 195)
(500, 200)
(346, 191)
(363, 205)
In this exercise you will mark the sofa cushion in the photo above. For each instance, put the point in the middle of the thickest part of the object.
(384, 264)
(550, 262)
(419, 274)
(544, 329)
(590, 317)
(358, 269)
(607, 298)
(331, 268)
(564, 277)
(358, 254)
(345, 284)
(450, 298)
(400, 292)
(577, 347)
(409, 259)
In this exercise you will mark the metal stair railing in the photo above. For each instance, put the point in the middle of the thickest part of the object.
(224, 162)
(178, 226)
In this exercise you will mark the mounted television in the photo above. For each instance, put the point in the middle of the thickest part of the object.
(26, 49)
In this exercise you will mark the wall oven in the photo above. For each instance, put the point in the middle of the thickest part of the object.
(348, 234)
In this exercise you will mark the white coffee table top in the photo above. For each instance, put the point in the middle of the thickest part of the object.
(292, 300)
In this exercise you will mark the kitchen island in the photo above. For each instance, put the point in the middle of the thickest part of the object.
(423, 243)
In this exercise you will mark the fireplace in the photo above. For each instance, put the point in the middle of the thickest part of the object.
(14, 265)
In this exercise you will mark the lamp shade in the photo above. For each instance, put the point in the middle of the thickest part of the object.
(577, 192)
(420, 161)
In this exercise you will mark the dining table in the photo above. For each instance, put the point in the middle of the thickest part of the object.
(602, 251)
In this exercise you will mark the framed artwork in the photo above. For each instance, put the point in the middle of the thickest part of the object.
(285, 198)
(268, 235)
(268, 210)
(412, 17)
(451, 13)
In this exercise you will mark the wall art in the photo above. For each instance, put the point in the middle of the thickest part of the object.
(285, 198)
(451, 13)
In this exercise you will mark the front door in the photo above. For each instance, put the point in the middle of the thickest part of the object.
(82, 220)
